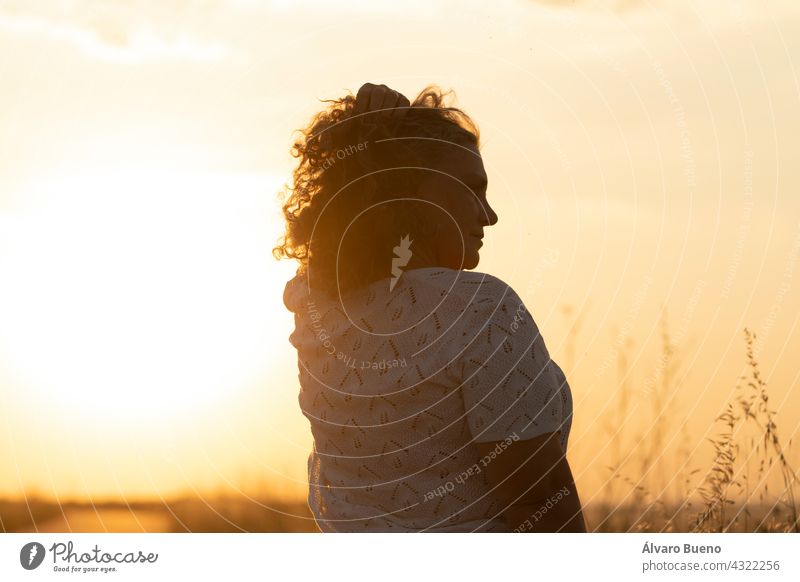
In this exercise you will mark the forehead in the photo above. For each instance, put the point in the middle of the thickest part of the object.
(462, 162)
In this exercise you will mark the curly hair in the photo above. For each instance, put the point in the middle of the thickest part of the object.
(353, 190)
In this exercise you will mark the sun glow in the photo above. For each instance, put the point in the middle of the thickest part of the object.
(138, 295)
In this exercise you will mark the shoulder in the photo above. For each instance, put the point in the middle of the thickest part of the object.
(496, 312)
(472, 287)
(477, 302)
(488, 293)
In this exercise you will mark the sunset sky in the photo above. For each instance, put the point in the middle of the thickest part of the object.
(643, 158)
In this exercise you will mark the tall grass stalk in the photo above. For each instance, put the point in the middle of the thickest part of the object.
(751, 408)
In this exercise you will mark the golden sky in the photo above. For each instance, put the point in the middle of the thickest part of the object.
(642, 156)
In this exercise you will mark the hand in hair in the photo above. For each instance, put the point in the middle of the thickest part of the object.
(381, 98)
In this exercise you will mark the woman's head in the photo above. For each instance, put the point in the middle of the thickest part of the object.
(363, 182)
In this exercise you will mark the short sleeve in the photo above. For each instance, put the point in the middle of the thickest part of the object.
(509, 384)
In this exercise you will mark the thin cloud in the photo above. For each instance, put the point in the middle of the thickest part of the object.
(117, 44)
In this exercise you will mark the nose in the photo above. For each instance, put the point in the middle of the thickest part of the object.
(488, 215)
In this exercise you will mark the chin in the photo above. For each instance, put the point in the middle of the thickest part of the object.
(467, 261)
(470, 262)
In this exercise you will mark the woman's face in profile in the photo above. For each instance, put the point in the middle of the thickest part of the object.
(456, 189)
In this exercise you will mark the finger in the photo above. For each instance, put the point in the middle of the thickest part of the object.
(376, 97)
(363, 96)
(401, 108)
(390, 100)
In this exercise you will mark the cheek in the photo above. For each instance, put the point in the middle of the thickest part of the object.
(456, 244)
(463, 211)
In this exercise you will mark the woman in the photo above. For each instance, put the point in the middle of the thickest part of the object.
(433, 401)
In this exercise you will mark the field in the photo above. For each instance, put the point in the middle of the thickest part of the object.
(732, 494)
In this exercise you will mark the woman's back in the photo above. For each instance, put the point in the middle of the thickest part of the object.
(400, 383)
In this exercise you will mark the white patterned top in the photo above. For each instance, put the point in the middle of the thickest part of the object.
(398, 386)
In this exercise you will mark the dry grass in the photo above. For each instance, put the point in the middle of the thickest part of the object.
(731, 476)
(734, 497)
(16, 515)
(235, 514)
(215, 514)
